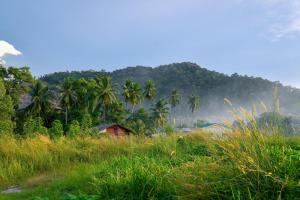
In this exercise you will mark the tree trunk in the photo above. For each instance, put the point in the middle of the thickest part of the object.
(66, 117)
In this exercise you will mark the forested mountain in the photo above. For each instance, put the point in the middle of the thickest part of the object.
(190, 78)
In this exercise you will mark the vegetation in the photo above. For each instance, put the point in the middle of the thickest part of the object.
(189, 78)
(49, 147)
(245, 165)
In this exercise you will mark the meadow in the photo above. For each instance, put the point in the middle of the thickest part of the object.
(243, 164)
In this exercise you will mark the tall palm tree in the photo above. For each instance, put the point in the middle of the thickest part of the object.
(149, 90)
(160, 111)
(41, 100)
(174, 100)
(106, 92)
(194, 102)
(135, 95)
(68, 96)
(127, 90)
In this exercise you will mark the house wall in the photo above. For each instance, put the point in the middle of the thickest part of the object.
(116, 131)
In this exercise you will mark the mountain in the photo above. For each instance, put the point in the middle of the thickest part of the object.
(211, 86)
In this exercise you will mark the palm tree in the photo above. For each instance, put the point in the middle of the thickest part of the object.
(68, 96)
(194, 102)
(127, 90)
(160, 112)
(106, 92)
(174, 99)
(150, 90)
(135, 95)
(41, 100)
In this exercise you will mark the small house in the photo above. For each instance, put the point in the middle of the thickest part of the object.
(114, 130)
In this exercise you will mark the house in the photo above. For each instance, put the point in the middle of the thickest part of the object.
(114, 129)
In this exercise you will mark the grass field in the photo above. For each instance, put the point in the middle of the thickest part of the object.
(244, 165)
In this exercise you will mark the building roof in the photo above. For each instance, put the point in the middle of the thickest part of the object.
(105, 126)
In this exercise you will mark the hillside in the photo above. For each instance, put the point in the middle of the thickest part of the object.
(190, 78)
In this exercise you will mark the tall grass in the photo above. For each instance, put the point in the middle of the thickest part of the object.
(243, 164)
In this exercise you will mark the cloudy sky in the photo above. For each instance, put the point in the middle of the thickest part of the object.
(253, 37)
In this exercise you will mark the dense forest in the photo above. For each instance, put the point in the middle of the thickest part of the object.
(190, 78)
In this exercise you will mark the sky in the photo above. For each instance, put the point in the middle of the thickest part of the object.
(253, 37)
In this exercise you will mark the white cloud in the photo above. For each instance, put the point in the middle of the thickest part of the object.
(286, 16)
(7, 49)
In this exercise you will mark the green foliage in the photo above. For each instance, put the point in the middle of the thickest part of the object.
(16, 81)
(160, 111)
(74, 128)
(150, 90)
(68, 96)
(6, 110)
(57, 129)
(141, 123)
(34, 126)
(194, 102)
(86, 122)
(273, 122)
(132, 93)
(169, 129)
(174, 98)
(40, 100)
(117, 113)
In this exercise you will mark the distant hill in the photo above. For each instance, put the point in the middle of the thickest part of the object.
(190, 78)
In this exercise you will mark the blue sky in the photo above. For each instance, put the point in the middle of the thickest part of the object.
(253, 37)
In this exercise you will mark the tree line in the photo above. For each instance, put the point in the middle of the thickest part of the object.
(30, 106)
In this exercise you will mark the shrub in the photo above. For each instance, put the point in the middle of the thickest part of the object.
(33, 126)
(57, 129)
(86, 122)
(74, 128)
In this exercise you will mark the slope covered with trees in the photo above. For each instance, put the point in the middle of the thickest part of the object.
(191, 79)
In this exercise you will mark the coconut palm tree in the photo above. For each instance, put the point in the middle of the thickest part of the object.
(174, 99)
(135, 95)
(194, 102)
(68, 96)
(160, 111)
(106, 92)
(40, 100)
(127, 91)
(149, 90)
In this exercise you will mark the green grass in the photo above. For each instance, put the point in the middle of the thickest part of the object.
(244, 165)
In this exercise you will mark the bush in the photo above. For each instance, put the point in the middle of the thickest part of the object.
(86, 122)
(57, 129)
(33, 126)
(275, 122)
(74, 128)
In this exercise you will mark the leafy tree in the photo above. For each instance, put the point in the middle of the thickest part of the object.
(150, 90)
(160, 112)
(57, 129)
(74, 128)
(68, 96)
(6, 110)
(16, 81)
(106, 92)
(41, 100)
